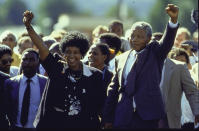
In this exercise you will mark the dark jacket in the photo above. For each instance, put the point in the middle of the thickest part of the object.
(142, 83)
(52, 113)
(11, 94)
(3, 121)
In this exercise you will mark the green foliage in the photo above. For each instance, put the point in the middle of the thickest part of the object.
(11, 12)
(158, 17)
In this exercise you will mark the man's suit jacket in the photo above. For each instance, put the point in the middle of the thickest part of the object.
(3, 121)
(11, 94)
(177, 79)
(143, 83)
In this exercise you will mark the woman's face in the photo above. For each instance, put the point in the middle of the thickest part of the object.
(72, 55)
(96, 58)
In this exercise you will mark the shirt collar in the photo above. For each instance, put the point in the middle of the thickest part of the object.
(34, 78)
(86, 70)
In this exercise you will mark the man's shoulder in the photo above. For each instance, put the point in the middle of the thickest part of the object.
(42, 76)
(4, 75)
(123, 55)
(176, 62)
(13, 80)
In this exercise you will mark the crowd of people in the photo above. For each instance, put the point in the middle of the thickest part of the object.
(117, 80)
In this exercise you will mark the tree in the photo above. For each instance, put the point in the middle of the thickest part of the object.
(113, 12)
(11, 12)
(158, 18)
(54, 8)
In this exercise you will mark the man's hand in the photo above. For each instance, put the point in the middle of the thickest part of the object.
(28, 16)
(197, 119)
(172, 10)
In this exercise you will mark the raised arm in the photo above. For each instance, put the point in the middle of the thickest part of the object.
(37, 40)
(168, 38)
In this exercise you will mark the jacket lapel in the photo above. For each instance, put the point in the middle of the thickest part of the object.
(121, 66)
(42, 83)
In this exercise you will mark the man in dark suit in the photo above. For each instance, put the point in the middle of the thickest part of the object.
(23, 92)
(134, 98)
(3, 120)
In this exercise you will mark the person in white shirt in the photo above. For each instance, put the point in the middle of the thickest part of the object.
(23, 92)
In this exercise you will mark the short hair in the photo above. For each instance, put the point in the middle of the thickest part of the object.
(104, 48)
(48, 40)
(179, 52)
(144, 26)
(112, 40)
(191, 43)
(30, 50)
(4, 49)
(115, 22)
(55, 46)
(5, 34)
(75, 39)
(100, 29)
(23, 34)
(185, 30)
(24, 39)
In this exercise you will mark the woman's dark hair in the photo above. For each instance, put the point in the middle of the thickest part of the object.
(105, 51)
(75, 39)
(112, 40)
(4, 49)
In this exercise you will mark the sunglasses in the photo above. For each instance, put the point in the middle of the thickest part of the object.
(4, 62)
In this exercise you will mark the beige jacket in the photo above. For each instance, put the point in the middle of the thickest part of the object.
(176, 79)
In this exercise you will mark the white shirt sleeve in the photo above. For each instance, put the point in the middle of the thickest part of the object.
(172, 25)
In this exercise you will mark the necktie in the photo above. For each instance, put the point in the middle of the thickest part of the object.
(25, 104)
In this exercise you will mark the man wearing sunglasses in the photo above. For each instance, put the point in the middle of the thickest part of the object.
(6, 60)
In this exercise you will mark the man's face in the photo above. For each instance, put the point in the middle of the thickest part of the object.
(25, 45)
(10, 41)
(138, 39)
(116, 29)
(29, 63)
(179, 39)
(5, 63)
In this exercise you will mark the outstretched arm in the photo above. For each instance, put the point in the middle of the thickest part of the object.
(43, 51)
(168, 38)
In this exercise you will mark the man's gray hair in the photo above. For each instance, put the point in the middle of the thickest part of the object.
(143, 25)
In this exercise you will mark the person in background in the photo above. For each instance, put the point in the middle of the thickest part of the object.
(48, 41)
(116, 27)
(182, 35)
(8, 38)
(23, 43)
(58, 34)
(22, 93)
(192, 49)
(6, 60)
(100, 29)
(114, 43)
(99, 58)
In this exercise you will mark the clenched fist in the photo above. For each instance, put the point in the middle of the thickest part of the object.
(28, 16)
(172, 10)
